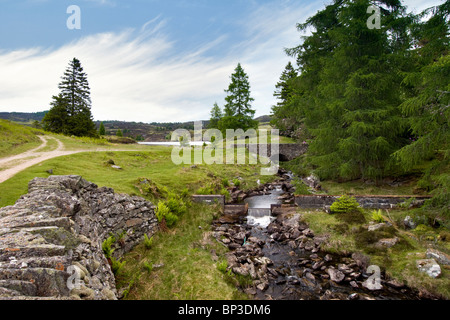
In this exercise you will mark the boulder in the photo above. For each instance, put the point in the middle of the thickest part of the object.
(372, 284)
(377, 226)
(430, 267)
(440, 257)
(387, 243)
(335, 275)
(409, 223)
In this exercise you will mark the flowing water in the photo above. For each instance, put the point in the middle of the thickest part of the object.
(259, 208)
(297, 280)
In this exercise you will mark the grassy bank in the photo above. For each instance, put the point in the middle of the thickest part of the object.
(181, 264)
(15, 138)
(153, 164)
(187, 254)
(347, 233)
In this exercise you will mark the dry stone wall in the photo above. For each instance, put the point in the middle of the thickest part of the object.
(51, 239)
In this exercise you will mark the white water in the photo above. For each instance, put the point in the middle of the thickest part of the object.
(257, 216)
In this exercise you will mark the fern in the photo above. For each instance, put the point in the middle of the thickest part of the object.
(148, 242)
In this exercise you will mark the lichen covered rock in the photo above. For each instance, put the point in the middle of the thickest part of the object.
(51, 239)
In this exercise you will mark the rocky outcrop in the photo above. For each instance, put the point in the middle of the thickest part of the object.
(51, 239)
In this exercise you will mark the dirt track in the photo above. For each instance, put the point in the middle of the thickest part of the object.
(17, 163)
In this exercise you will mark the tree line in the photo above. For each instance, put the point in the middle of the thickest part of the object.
(371, 102)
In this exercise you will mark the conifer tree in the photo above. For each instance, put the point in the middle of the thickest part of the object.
(349, 88)
(284, 88)
(282, 111)
(216, 116)
(71, 111)
(238, 113)
(102, 130)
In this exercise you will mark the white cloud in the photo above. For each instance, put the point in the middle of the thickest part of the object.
(138, 75)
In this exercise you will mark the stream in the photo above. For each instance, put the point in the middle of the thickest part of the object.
(283, 257)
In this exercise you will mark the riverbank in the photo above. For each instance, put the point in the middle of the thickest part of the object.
(311, 254)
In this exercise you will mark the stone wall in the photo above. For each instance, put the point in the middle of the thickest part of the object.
(365, 201)
(51, 239)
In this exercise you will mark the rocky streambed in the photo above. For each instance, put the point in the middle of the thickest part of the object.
(284, 261)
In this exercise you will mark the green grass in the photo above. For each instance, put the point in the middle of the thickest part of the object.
(360, 188)
(188, 272)
(154, 164)
(15, 138)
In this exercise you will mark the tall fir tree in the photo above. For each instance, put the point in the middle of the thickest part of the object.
(349, 89)
(284, 90)
(427, 110)
(282, 111)
(238, 113)
(71, 111)
(216, 116)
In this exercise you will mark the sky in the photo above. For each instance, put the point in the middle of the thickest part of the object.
(150, 60)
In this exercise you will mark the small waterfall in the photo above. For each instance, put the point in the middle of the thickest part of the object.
(259, 208)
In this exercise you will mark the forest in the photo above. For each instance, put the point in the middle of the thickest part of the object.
(371, 102)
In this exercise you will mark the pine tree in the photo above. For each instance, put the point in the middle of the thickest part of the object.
(216, 116)
(427, 106)
(349, 88)
(238, 113)
(119, 133)
(71, 111)
(102, 130)
(284, 89)
(427, 111)
(282, 111)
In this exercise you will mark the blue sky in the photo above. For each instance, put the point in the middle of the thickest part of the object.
(149, 60)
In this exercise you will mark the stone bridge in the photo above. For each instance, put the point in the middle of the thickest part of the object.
(286, 151)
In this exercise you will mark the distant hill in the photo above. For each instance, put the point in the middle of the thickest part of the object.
(155, 131)
(264, 119)
(23, 116)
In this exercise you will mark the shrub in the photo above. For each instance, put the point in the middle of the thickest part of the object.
(407, 203)
(345, 204)
(176, 205)
(377, 216)
(148, 267)
(206, 190)
(300, 187)
(225, 183)
(116, 265)
(222, 266)
(185, 193)
(163, 213)
(148, 242)
(237, 182)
